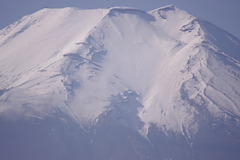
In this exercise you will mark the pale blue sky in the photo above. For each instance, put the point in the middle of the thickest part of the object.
(223, 13)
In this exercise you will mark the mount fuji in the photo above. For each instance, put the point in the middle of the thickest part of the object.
(118, 83)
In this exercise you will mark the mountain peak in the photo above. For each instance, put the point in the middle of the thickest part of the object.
(167, 8)
(149, 75)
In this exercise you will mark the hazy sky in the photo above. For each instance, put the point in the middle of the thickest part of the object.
(223, 13)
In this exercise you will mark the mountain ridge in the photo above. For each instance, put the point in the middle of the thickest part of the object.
(192, 26)
(157, 74)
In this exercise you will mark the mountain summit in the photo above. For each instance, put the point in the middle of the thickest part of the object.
(118, 83)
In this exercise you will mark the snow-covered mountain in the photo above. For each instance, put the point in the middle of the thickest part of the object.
(118, 83)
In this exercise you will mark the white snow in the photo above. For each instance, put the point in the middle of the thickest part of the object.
(78, 60)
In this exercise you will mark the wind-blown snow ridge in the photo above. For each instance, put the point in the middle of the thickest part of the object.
(164, 67)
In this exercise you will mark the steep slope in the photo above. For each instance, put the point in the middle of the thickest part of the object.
(165, 77)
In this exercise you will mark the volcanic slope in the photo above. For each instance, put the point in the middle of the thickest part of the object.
(166, 77)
